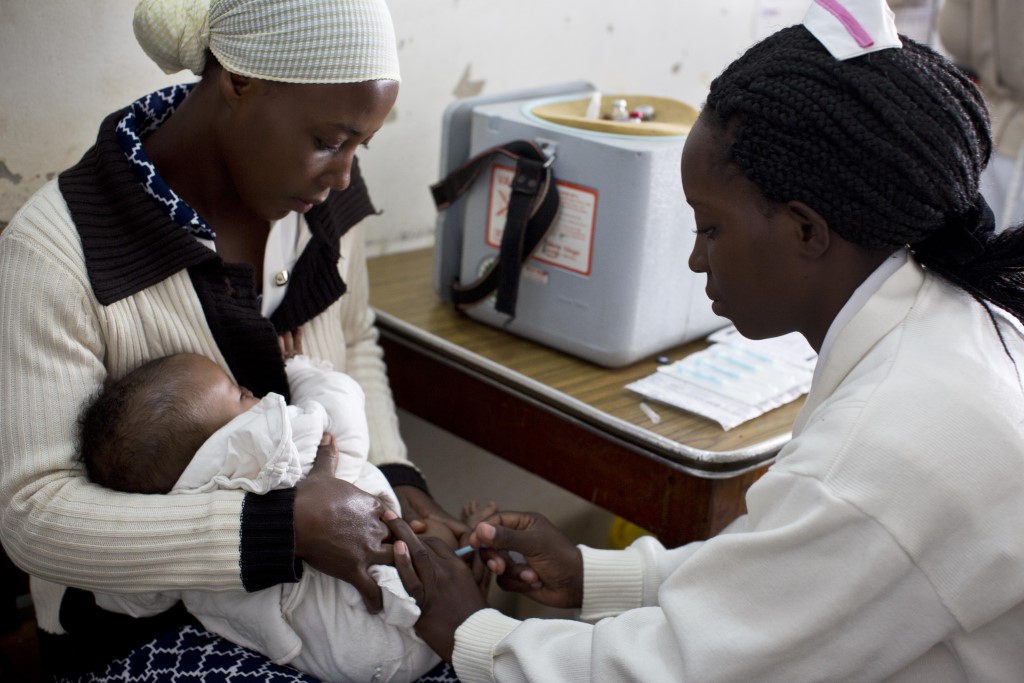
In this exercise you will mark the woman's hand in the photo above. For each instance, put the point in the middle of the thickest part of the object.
(532, 557)
(339, 529)
(290, 343)
(441, 583)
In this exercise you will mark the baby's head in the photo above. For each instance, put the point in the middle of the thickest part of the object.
(140, 433)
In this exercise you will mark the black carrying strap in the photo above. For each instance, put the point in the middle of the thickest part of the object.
(532, 206)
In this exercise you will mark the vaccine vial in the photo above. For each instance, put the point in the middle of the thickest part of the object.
(619, 111)
(646, 111)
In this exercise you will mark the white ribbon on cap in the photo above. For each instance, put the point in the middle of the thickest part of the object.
(852, 28)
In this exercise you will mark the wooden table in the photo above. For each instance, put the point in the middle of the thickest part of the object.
(562, 418)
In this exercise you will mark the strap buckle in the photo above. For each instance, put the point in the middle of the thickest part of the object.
(533, 205)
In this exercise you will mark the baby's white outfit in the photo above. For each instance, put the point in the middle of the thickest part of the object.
(320, 624)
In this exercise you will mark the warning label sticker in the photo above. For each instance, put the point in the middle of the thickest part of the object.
(570, 241)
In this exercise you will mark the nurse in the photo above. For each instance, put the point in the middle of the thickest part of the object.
(833, 173)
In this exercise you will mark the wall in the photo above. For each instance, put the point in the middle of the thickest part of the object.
(68, 63)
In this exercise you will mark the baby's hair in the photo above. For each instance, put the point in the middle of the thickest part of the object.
(128, 431)
(888, 147)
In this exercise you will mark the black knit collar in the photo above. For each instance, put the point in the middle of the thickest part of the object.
(130, 243)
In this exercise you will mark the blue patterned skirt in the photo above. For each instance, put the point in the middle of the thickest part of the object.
(193, 655)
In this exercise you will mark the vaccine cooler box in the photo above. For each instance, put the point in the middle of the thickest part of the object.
(610, 281)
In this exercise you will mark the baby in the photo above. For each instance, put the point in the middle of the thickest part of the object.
(181, 425)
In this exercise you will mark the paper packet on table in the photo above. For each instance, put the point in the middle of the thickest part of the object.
(735, 379)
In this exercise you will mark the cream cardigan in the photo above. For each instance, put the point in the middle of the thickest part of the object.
(57, 346)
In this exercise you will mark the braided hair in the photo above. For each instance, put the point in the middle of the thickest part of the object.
(888, 147)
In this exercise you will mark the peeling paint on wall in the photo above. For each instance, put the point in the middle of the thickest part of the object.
(6, 174)
(466, 87)
(607, 42)
(18, 188)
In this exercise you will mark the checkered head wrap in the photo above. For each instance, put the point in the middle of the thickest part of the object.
(292, 41)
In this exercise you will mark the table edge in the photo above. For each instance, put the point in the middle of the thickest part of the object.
(699, 462)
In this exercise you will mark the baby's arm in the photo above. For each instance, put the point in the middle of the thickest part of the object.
(313, 381)
(472, 514)
(435, 529)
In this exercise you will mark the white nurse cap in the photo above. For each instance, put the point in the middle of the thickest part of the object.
(853, 27)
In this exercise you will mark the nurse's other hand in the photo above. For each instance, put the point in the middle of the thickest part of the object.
(531, 556)
(339, 528)
(441, 583)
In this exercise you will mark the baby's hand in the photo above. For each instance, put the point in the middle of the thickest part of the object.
(291, 343)
(473, 513)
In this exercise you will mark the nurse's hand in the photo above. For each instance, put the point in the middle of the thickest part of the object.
(532, 557)
(339, 529)
(441, 583)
